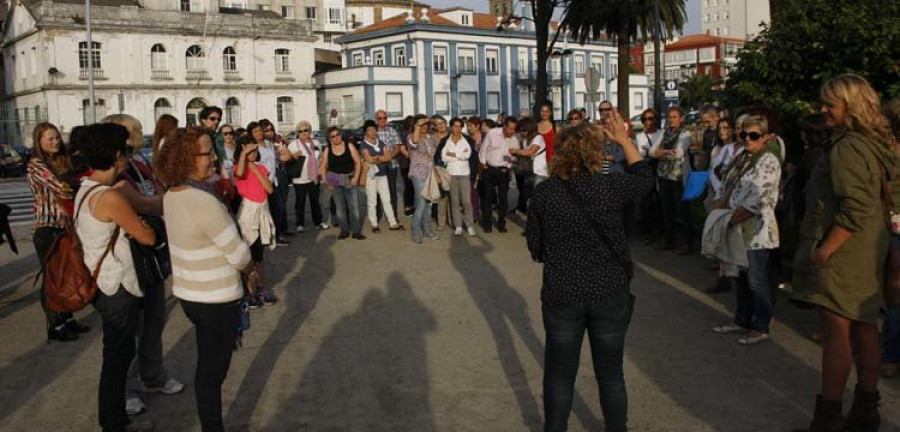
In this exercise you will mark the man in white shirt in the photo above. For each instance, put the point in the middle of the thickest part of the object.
(496, 162)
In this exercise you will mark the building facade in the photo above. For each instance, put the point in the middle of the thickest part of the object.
(362, 13)
(699, 55)
(740, 19)
(455, 62)
(153, 60)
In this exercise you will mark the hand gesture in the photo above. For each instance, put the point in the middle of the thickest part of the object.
(615, 129)
(248, 148)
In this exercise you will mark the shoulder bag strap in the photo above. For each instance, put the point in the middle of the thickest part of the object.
(109, 247)
(595, 225)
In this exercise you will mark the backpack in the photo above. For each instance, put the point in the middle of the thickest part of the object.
(68, 284)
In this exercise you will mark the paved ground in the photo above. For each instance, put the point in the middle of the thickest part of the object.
(380, 335)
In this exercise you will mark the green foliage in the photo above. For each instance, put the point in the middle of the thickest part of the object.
(698, 91)
(810, 41)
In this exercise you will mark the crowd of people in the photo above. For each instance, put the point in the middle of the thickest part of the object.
(199, 218)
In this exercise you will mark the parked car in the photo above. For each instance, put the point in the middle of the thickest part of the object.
(636, 124)
(692, 118)
(12, 164)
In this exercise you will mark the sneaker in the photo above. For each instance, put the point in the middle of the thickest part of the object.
(300, 229)
(139, 426)
(135, 406)
(76, 327)
(254, 303)
(457, 231)
(471, 232)
(269, 298)
(324, 226)
(171, 387)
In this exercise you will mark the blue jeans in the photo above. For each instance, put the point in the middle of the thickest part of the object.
(892, 335)
(606, 325)
(754, 299)
(422, 215)
(345, 198)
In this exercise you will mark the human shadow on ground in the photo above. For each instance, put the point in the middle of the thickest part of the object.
(371, 371)
(506, 313)
(299, 297)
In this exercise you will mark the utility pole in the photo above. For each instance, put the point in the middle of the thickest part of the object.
(657, 67)
(90, 57)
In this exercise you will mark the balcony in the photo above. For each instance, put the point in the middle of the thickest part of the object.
(232, 75)
(197, 75)
(160, 74)
(284, 75)
(98, 74)
(554, 77)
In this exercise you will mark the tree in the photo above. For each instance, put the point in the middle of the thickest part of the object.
(697, 91)
(808, 42)
(542, 11)
(624, 21)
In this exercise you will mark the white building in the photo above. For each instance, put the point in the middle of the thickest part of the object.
(151, 59)
(740, 19)
(362, 13)
(455, 62)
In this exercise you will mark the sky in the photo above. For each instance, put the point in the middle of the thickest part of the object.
(693, 10)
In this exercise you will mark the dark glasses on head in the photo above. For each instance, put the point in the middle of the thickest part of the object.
(754, 136)
(303, 130)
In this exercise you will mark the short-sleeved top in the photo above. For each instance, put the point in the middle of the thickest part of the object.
(249, 187)
(540, 158)
(376, 150)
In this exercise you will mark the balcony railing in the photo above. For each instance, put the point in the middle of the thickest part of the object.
(194, 75)
(284, 75)
(84, 74)
(160, 74)
(232, 75)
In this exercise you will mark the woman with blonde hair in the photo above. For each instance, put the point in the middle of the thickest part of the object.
(844, 240)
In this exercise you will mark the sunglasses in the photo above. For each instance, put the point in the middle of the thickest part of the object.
(574, 118)
(303, 131)
(214, 118)
(334, 136)
(643, 119)
(605, 109)
(228, 133)
(754, 136)
(380, 118)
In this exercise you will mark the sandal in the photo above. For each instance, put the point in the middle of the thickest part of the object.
(729, 328)
(749, 340)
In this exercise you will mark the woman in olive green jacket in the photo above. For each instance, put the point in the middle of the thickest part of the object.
(842, 250)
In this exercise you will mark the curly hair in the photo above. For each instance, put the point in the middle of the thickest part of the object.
(577, 148)
(176, 160)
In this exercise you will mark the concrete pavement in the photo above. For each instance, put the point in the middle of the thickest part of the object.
(382, 335)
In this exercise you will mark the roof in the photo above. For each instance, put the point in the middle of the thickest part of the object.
(109, 3)
(480, 21)
(699, 40)
(400, 3)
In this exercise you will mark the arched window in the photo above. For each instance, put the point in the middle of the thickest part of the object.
(160, 107)
(233, 111)
(229, 59)
(193, 111)
(158, 60)
(83, 55)
(196, 58)
(285, 110)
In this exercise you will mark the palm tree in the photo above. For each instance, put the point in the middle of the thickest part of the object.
(624, 21)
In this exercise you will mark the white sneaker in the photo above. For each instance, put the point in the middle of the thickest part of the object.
(458, 231)
(172, 386)
(134, 406)
(471, 232)
(324, 226)
(299, 229)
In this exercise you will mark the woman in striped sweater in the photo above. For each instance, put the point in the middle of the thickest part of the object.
(208, 255)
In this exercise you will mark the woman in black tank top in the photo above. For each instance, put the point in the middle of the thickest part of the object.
(341, 167)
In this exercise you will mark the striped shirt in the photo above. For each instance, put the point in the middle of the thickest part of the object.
(206, 249)
(50, 193)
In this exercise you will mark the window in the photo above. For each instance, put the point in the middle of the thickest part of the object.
(285, 110)
(725, 16)
(493, 102)
(158, 59)
(334, 16)
(378, 57)
(326, 38)
(99, 107)
(638, 101)
(282, 60)
(614, 68)
(706, 18)
(465, 20)
(195, 58)
(160, 107)
(394, 104)
(717, 31)
(192, 111)
(442, 103)
(524, 98)
(357, 59)
(440, 59)
(287, 12)
(491, 57)
(232, 111)
(597, 65)
(83, 55)
(229, 59)
(580, 99)
(185, 5)
(466, 58)
(724, 31)
(579, 66)
(311, 12)
(400, 56)
(468, 103)
(191, 5)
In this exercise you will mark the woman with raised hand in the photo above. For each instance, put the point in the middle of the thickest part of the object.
(422, 147)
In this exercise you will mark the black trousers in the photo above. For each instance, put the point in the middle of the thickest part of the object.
(524, 192)
(278, 203)
(301, 191)
(673, 207)
(409, 194)
(43, 241)
(495, 182)
(119, 314)
(217, 325)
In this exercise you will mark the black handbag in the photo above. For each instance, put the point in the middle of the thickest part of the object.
(294, 167)
(152, 264)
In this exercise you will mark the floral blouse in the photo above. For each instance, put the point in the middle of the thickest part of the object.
(757, 192)
(421, 156)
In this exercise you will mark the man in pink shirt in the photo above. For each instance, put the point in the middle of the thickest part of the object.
(496, 163)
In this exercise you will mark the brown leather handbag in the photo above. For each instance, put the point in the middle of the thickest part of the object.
(892, 268)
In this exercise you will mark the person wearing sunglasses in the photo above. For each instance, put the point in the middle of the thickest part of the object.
(392, 142)
(574, 118)
(422, 146)
(648, 207)
(341, 165)
(306, 147)
(751, 192)
(210, 118)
